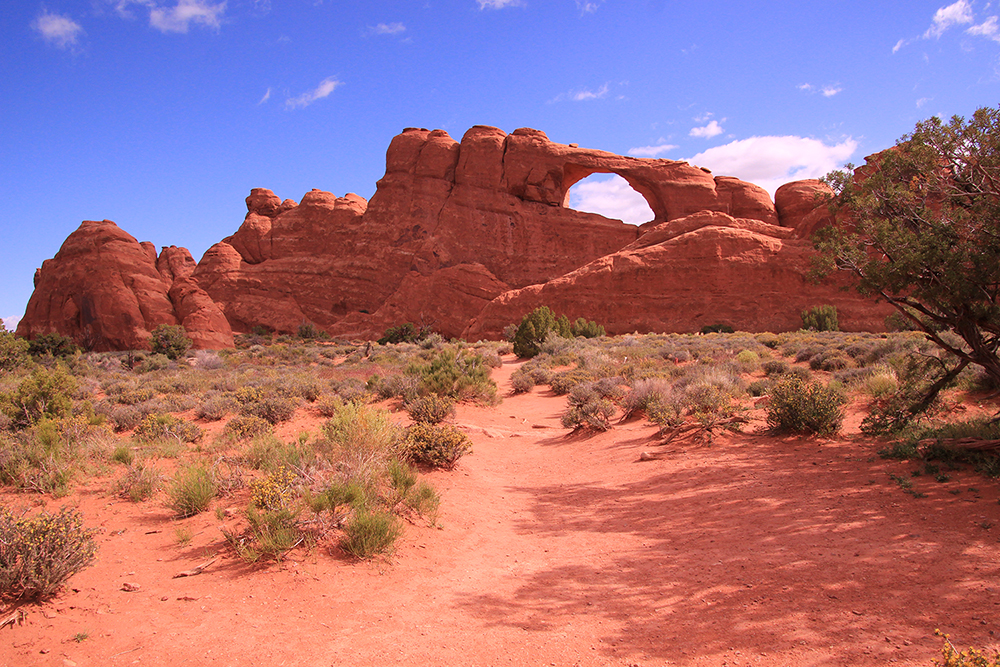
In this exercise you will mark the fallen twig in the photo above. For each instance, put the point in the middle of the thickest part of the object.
(195, 570)
(16, 618)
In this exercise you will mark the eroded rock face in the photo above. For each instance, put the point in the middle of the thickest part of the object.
(465, 236)
(104, 289)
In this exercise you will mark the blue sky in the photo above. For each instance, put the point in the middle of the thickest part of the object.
(162, 114)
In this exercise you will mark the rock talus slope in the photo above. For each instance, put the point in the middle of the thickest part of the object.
(465, 237)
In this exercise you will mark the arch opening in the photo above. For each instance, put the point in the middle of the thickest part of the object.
(610, 195)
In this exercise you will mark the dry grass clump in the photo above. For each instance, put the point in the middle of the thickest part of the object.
(39, 553)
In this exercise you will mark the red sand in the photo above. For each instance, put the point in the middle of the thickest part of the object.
(564, 549)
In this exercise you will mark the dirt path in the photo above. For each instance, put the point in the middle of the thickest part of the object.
(556, 549)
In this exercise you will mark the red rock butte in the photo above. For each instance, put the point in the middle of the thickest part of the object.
(465, 237)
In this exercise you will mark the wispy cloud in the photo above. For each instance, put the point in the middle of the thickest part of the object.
(387, 29)
(58, 30)
(266, 97)
(826, 91)
(584, 95)
(499, 4)
(900, 44)
(588, 7)
(957, 13)
(773, 161)
(652, 151)
(988, 28)
(713, 129)
(180, 17)
(325, 87)
(830, 91)
(611, 197)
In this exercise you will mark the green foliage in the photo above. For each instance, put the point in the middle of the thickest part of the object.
(13, 350)
(38, 554)
(170, 340)
(191, 491)
(44, 457)
(820, 318)
(439, 446)
(591, 329)
(369, 533)
(537, 325)
(270, 534)
(52, 345)
(272, 408)
(308, 331)
(44, 393)
(456, 373)
(925, 233)
(717, 328)
(430, 409)
(798, 406)
(404, 333)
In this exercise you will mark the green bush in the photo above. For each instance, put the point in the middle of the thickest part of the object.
(820, 318)
(38, 554)
(430, 409)
(404, 333)
(52, 345)
(717, 328)
(798, 406)
(191, 491)
(593, 413)
(170, 340)
(368, 533)
(439, 446)
(270, 533)
(582, 327)
(140, 482)
(246, 427)
(457, 374)
(531, 333)
(775, 367)
(13, 350)
(271, 408)
(308, 331)
(44, 393)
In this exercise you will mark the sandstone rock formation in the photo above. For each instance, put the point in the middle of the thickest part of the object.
(464, 237)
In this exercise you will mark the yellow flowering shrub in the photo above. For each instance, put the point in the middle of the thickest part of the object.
(39, 553)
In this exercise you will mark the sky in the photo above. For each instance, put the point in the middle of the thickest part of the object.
(162, 114)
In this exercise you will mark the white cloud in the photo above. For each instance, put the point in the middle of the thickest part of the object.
(611, 197)
(499, 4)
(180, 17)
(651, 151)
(807, 87)
(388, 29)
(900, 44)
(266, 97)
(922, 101)
(11, 322)
(954, 14)
(713, 129)
(773, 161)
(987, 28)
(58, 30)
(826, 91)
(325, 87)
(584, 95)
(586, 7)
(830, 91)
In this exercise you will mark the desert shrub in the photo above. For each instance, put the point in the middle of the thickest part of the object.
(717, 328)
(134, 395)
(758, 387)
(273, 490)
(13, 350)
(270, 534)
(533, 330)
(52, 345)
(430, 409)
(405, 387)
(271, 408)
(170, 340)
(369, 533)
(423, 499)
(521, 381)
(403, 333)
(154, 362)
(768, 339)
(268, 453)
(337, 494)
(775, 367)
(140, 482)
(438, 446)
(352, 390)
(360, 441)
(593, 413)
(45, 393)
(246, 427)
(644, 393)
(970, 657)
(191, 491)
(820, 318)
(45, 457)
(562, 383)
(881, 382)
(798, 406)
(456, 374)
(214, 406)
(123, 454)
(122, 417)
(748, 360)
(39, 554)
(161, 426)
(208, 360)
(582, 327)
(308, 330)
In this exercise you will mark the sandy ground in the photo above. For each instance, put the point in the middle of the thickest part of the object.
(554, 548)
